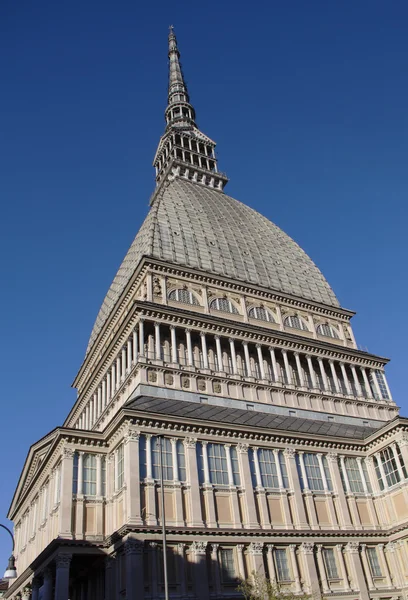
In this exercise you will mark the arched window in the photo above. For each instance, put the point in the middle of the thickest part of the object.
(223, 304)
(295, 322)
(184, 296)
(328, 331)
(258, 312)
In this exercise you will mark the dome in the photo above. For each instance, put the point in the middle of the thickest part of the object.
(200, 227)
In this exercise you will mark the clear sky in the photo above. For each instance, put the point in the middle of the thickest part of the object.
(308, 104)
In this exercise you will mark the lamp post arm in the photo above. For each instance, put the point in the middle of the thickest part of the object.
(11, 535)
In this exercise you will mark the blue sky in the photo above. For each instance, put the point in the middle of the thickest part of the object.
(307, 101)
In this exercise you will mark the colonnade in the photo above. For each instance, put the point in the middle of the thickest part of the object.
(153, 341)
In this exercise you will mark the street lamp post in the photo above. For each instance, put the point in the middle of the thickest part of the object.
(11, 572)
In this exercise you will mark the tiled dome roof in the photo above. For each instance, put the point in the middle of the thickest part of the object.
(196, 226)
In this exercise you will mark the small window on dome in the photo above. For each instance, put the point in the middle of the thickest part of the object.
(295, 322)
(185, 296)
(328, 331)
(261, 313)
(223, 304)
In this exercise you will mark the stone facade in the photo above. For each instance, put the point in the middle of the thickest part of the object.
(283, 449)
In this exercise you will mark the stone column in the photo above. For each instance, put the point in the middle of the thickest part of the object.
(334, 375)
(173, 344)
(366, 383)
(132, 476)
(260, 361)
(134, 569)
(153, 569)
(312, 372)
(123, 362)
(99, 401)
(113, 380)
(195, 515)
(403, 445)
(262, 505)
(287, 367)
(299, 370)
(295, 568)
(177, 486)
(357, 385)
(352, 549)
(129, 355)
(62, 563)
(199, 551)
(322, 569)
(141, 338)
(104, 399)
(255, 551)
(308, 554)
(35, 588)
(397, 577)
(241, 564)
(65, 507)
(190, 358)
(271, 564)
(323, 374)
(215, 567)
(118, 372)
(344, 512)
(345, 378)
(109, 578)
(250, 516)
(208, 491)
(275, 372)
(383, 560)
(360, 469)
(80, 485)
(47, 585)
(300, 520)
(135, 345)
(204, 350)
(322, 473)
(343, 570)
(219, 352)
(233, 356)
(157, 342)
(247, 360)
(181, 569)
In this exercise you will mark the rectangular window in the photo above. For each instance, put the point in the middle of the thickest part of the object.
(181, 458)
(378, 473)
(235, 466)
(120, 471)
(142, 457)
(103, 476)
(381, 384)
(353, 475)
(330, 563)
(89, 474)
(227, 566)
(373, 561)
(217, 464)
(167, 459)
(313, 474)
(267, 466)
(282, 567)
(390, 466)
(75, 474)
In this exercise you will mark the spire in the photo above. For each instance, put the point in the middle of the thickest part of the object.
(184, 150)
(179, 108)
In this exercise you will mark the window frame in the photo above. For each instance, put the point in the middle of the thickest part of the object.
(288, 322)
(214, 305)
(252, 314)
(179, 292)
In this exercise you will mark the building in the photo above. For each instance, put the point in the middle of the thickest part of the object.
(284, 451)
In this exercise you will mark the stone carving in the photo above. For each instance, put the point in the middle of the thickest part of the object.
(68, 452)
(307, 547)
(352, 547)
(289, 453)
(133, 546)
(332, 457)
(185, 381)
(157, 288)
(168, 379)
(131, 435)
(242, 448)
(199, 547)
(214, 548)
(217, 387)
(152, 376)
(255, 548)
(201, 385)
(190, 442)
(63, 561)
